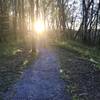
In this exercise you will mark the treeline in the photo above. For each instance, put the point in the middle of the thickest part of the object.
(79, 20)
(71, 19)
(16, 18)
(89, 30)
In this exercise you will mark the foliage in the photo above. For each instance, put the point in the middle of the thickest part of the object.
(80, 74)
(90, 53)
(14, 59)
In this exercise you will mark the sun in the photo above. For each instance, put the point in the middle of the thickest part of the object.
(39, 26)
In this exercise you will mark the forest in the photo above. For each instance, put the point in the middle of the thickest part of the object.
(81, 18)
(41, 35)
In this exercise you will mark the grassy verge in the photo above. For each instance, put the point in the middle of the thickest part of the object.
(89, 53)
(81, 76)
(14, 58)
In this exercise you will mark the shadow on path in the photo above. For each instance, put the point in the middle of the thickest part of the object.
(40, 82)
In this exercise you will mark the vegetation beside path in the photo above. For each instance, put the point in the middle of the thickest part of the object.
(85, 52)
(80, 70)
(14, 58)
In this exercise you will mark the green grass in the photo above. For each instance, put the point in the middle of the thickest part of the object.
(14, 58)
(90, 53)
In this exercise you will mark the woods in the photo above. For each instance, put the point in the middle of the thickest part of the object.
(53, 36)
(90, 24)
(78, 20)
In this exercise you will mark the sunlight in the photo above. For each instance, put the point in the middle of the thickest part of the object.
(39, 26)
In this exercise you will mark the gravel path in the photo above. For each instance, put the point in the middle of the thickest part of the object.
(40, 82)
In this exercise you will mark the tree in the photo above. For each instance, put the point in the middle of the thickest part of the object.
(89, 25)
(4, 20)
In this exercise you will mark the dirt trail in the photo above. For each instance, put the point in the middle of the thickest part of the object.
(41, 81)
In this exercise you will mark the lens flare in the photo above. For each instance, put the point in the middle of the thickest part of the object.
(39, 26)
